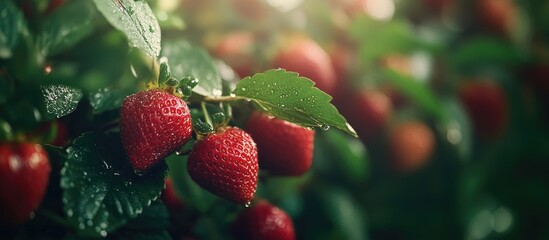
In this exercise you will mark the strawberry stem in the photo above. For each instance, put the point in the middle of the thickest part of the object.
(206, 114)
(224, 99)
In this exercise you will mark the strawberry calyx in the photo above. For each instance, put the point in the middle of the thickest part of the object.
(214, 123)
(180, 88)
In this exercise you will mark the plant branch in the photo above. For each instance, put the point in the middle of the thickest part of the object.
(224, 99)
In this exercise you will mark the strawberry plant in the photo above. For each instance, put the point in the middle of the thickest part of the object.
(182, 119)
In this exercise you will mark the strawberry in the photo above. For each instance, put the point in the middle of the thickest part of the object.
(367, 111)
(264, 221)
(153, 124)
(285, 149)
(236, 49)
(24, 174)
(486, 105)
(411, 145)
(500, 16)
(170, 198)
(307, 58)
(225, 163)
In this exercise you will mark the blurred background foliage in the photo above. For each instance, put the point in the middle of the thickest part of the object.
(450, 99)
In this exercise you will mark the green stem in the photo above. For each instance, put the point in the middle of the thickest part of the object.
(224, 99)
(55, 218)
(206, 114)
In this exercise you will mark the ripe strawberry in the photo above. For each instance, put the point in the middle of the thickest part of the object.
(411, 145)
(367, 111)
(225, 163)
(342, 58)
(153, 124)
(501, 16)
(487, 107)
(307, 58)
(24, 174)
(170, 198)
(284, 148)
(264, 221)
(236, 49)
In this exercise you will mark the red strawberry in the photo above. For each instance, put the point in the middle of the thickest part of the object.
(153, 124)
(284, 148)
(500, 16)
(225, 163)
(264, 221)
(368, 112)
(307, 58)
(24, 174)
(170, 198)
(411, 145)
(487, 107)
(236, 49)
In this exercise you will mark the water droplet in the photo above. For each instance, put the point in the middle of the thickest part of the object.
(248, 204)
(244, 89)
(324, 127)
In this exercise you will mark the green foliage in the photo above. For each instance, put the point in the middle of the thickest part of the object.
(421, 94)
(188, 60)
(341, 158)
(136, 20)
(290, 97)
(60, 100)
(101, 190)
(64, 28)
(379, 39)
(152, 224)
(478, 52)
(12, 26)
(108, 98)
(192, 194)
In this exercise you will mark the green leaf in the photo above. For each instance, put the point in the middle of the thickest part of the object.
(136, 20)
(60, 100)
(11, 25)
(482, 51)
(456, 128)
(156, 235)
(290, 97)
(417, 92)
(151, 224)
(108, 98)
(188, 60)
(65, 27)
(343, 158)
(101, 190)
(191, 193)
(331, 213)
(377, 39)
